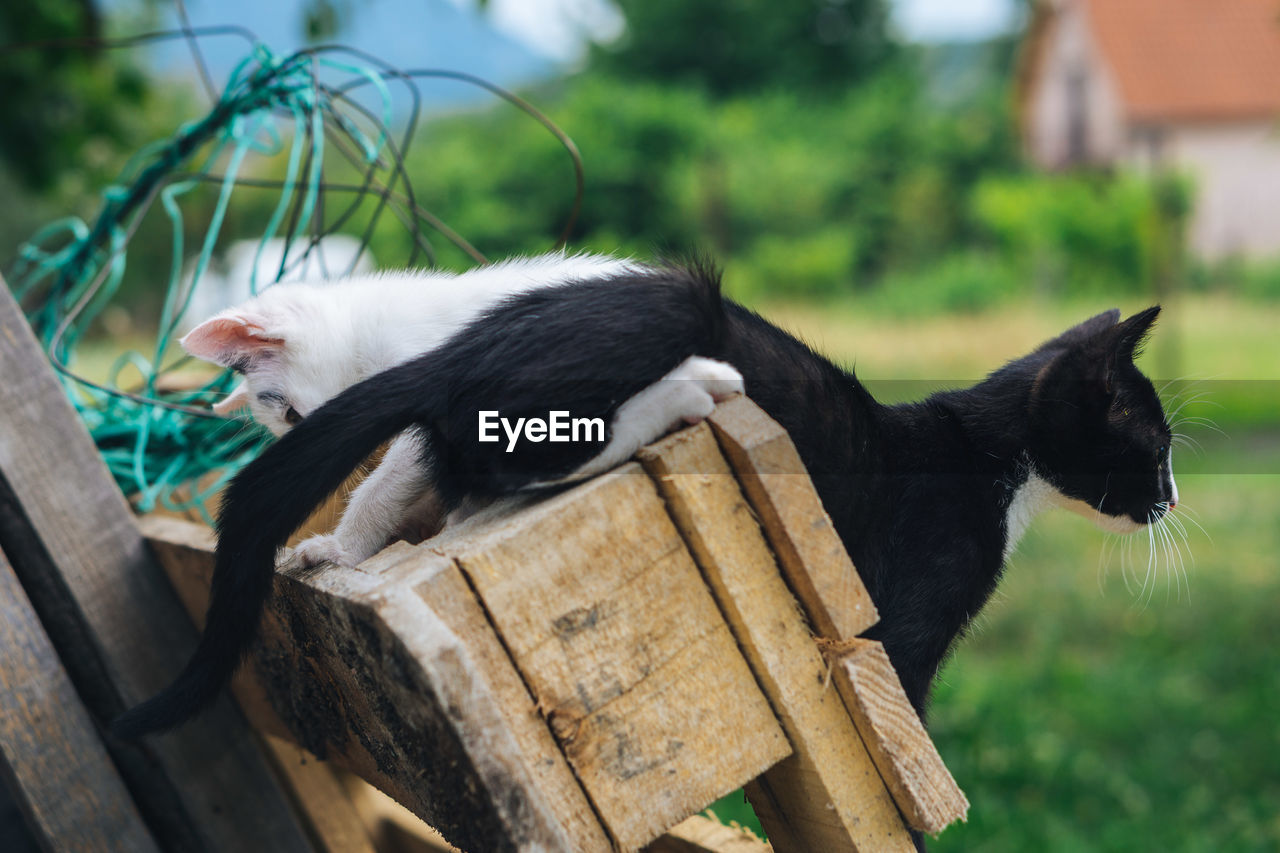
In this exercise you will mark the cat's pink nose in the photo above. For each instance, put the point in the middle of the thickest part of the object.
(1172, 504)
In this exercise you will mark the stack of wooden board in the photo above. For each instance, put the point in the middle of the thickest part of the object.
(585, 671)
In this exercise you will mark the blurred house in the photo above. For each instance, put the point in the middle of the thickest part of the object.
(1187, 85)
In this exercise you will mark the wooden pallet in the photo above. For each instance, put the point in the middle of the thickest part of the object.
(584, 672)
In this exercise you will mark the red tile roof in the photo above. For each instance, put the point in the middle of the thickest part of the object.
(1191, 59)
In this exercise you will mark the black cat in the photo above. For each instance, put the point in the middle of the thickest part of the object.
(928, 497)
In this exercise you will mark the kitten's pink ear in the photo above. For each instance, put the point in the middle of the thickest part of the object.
(237, 399)
(228, 339)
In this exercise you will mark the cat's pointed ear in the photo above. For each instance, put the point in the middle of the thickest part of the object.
(1085, 331)
(1123, 343)
(231, 338)
(237, 399)
(1130, 335)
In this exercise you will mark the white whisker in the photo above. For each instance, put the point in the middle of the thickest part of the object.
(1148, 587)
(1181, 438)
(1109, 541)
(1190, 515)
(1204, 423)
(1175, 411)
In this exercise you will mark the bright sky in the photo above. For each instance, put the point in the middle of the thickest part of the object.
(935, 20)
(557, 28)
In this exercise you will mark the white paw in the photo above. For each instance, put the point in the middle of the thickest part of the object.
(325, 548)
(716, 378)
(703, 383)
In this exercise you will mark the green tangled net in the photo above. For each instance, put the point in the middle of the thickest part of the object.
(165, 447)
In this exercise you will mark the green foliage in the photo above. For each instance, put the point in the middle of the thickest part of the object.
(963, 282)
(804, 266)
(1255, 280)
(798, 193)
(504, 183)
(729, 47)
(1080, 234)
(69, 104)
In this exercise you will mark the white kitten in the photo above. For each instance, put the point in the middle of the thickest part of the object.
(299, 345)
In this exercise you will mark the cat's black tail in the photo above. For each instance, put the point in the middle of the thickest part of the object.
(262, 507)
(585, 346)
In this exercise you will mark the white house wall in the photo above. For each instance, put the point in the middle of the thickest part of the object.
(1069, 49)
(1236, 169)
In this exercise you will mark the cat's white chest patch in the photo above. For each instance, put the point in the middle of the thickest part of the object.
(1036, 495)
(1030, 499)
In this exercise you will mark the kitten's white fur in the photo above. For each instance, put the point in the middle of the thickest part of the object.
(686, 395)
(301, 344)
(336, 336)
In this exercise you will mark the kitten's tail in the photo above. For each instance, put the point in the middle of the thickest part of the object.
(265, 503)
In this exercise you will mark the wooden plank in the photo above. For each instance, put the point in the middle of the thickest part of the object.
(598, 602)
(442, 586)
(52, 761)
(908, 761)
(364, 674)
(335, 824)
(393, 828)
(113, 619)
(827, 796)
(797, 527)
(700, 834)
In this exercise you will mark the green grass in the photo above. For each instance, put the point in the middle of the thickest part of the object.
(1082, 714)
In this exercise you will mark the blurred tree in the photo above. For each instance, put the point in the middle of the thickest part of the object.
(59, 100)
(731, 47)
(325, 19)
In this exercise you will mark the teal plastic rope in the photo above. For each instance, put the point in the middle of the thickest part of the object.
(165, 447)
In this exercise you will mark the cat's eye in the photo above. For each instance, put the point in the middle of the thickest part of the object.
(1161, 453)
(291, 416)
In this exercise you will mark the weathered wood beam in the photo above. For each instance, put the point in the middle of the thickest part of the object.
(828, 795)
(597, 600)
(320, 798)
(623, 693)
(441, 585)
(700, 834)
(606, 674)
(363, 673)
(113, 619)
(823, 578)
(798, 529)
(908, 761)
(50, 756)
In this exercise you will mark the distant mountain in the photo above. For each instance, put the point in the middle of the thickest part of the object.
(404, 33)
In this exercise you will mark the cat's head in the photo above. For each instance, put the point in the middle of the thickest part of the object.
(292, 346)
(1098, 432)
